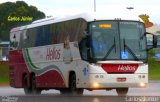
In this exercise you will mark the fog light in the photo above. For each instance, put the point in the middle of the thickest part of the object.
(139, 76)
(95, 84)
(97, 76)
(142, 84)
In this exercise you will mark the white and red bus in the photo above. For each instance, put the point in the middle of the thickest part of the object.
(79, 52)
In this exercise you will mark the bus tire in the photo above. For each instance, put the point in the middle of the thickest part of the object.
(72, 86)
(64, 91)
(122, 91)
(80, 91)
(27, 90)
(35, 91)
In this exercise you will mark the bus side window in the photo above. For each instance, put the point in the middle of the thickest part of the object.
(21, 40)
(13, 43)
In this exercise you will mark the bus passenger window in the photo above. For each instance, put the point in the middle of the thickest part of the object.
(14, 42)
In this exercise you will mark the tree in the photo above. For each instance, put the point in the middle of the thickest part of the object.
(18, 9)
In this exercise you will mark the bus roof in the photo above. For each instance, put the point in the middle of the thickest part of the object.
(89, 17)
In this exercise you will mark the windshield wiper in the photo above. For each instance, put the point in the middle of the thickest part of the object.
(131, 52)
(111, 48)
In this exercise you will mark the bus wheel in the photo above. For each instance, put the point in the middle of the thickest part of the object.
(26, 89)
(80, 91)
(33, 86)
(64, 91)
(122, 91)
(72, 86)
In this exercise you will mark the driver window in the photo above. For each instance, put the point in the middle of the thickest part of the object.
(83, 49)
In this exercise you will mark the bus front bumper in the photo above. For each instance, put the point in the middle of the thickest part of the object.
(104, 81)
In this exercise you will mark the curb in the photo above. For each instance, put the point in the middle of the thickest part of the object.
(154, 81)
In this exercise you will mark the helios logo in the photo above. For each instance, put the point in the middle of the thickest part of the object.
(126, 68)
(120, 68)
(53, 54)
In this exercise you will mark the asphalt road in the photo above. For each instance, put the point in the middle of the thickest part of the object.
(149, 94)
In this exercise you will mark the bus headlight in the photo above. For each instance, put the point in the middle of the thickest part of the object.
(95, 84)
(142, 85)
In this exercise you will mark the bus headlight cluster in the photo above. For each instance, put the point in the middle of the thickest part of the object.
(141, 76)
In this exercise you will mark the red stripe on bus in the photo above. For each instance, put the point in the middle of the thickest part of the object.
(120, 68)
(50, 79)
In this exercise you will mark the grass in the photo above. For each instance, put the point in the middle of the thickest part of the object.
(4, 81)
(154, 69)
(154, 66)
(4, 75)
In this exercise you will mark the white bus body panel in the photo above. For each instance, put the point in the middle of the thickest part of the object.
(96, 74)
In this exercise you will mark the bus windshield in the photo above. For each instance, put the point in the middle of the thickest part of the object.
(118, 40)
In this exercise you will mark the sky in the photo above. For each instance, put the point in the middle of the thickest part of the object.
(58, 8)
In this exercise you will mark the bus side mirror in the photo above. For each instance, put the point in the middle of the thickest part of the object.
(88, 54)
(151, 41)
(154, 41)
